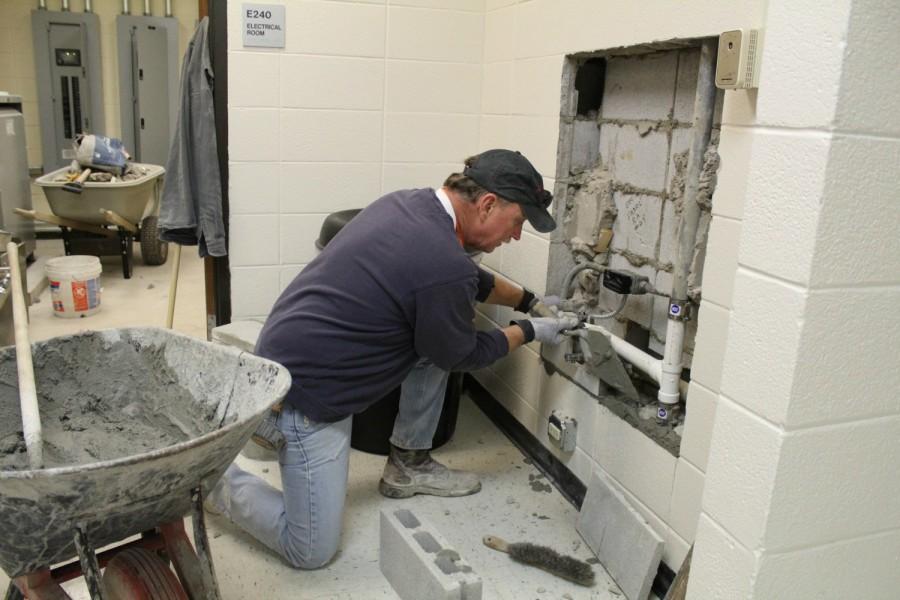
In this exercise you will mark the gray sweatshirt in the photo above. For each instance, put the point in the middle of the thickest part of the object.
(190, 212)
(394, 285)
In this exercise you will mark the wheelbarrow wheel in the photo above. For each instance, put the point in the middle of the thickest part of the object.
(139, 574)
(153, 250)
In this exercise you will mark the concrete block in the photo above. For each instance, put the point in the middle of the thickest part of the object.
(698, 425)
(420, 137)
(783, 203)
(435, 35)
(537, 138)
(298, 237)
(254, 240)
(641, 465)
(340, 82)
(499, 34)
(327, 187)
(668, 240)
(240, 334)
(537, 86)
(420, 564)
(686, 495)
(626, 545)
(636, 227)
(637, 308)
(861, 208)
(253, 188)
(866, 100)
(843, 475)
(253, 291)
(721, 568)
(640, 87)
(711, 340)
(496, 132)
(847, 331)
(743, 462)
(585, 145)
(495, 86)
(721, 260)
(246, 126)
(401, 176)
(310, 29)
(325, 136)
(754, 321)
(686, 86)
(635, 159)
(414, 86)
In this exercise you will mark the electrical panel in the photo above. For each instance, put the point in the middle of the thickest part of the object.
(70, 90)
(148, 85)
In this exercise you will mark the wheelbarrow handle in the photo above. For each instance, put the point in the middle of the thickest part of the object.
(31, 416)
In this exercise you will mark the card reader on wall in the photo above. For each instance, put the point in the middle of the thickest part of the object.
(737, 62)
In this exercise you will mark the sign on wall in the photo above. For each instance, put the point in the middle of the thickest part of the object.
(263, 25)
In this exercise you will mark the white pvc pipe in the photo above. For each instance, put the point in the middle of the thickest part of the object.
(671, 364)
(147, 11)
(65, 5)
(88, 6)
(31, 416)
(42, 4)
(168, 8)
(126, 7)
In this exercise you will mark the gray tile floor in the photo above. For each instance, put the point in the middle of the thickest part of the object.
(515, 503)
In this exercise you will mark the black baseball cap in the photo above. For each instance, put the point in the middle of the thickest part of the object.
(509, 175)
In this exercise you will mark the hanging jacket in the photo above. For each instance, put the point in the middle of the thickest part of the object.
(190, 212)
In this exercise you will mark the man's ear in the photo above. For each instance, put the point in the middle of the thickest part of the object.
(486, 204)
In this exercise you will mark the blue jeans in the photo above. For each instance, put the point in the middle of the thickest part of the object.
(303, 523)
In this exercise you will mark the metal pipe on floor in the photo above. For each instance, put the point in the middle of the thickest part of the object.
(704, 105)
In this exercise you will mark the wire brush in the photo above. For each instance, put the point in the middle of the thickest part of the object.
(544, 558)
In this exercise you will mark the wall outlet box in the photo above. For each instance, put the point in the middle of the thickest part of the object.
(737, 63)
(562, 431)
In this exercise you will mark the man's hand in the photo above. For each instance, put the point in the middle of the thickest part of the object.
(548, 330)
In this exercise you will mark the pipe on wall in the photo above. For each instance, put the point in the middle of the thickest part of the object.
(42, 4)
(168, 8)
(65, 5)
(147, 11)
(88, 6)
(126, 7)
(704, 105)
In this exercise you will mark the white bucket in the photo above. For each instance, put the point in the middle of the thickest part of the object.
(74, 285)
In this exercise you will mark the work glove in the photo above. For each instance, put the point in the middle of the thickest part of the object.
(547, 330)
(536, 306)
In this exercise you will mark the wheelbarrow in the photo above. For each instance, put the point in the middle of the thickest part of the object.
(106, 217)
(207, 398)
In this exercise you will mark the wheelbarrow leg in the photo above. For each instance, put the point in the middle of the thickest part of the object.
(195, 572)
(126, 249)
(67, 240)
(89, 567)
(201, 541)
(38, 585)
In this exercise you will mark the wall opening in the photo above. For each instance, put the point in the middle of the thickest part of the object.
(626, 129)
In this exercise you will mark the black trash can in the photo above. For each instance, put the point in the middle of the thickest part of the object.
(372, 427)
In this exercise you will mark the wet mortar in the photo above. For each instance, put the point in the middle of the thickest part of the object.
(99, 400)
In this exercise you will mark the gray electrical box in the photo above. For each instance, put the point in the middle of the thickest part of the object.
(70, 89)
(15, 184)
(148, 85)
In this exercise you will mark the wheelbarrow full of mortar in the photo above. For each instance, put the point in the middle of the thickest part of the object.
(137, 425)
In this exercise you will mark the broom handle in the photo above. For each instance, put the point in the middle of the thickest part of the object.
(492, 541)
(173, 286)
(31, 416)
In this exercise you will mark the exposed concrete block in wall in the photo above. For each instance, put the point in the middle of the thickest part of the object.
(640, 87)
(420, 564)
(635, 159)
(668, 243)
(636, 229)
(686, 86)
(626, 545)
(678, 159)
(585, 145)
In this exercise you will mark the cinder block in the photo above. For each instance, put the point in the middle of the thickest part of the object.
(633, 158)
(640, 87)
(626, 545)
(420, 564)
(636, 227)
(240, 334)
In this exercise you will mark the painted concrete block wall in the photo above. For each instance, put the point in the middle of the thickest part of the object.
(366, 97)
(800, 498)
(18, 74)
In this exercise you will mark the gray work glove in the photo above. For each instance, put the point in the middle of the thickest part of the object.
(547, 330)
(544, 307)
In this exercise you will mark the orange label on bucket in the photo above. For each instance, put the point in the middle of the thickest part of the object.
(79, 295)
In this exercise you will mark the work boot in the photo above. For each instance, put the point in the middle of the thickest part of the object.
(410, 472)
